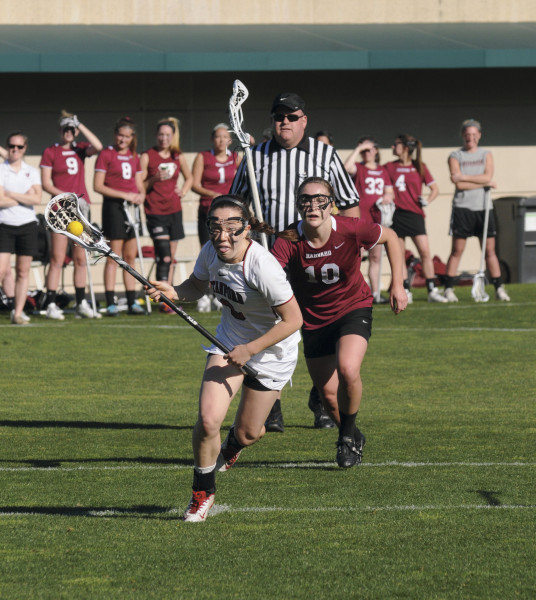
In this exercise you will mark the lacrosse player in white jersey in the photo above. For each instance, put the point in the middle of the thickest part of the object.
(260, 322)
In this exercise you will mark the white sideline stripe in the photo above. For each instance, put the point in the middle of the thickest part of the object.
(219, 509)
(308, 465)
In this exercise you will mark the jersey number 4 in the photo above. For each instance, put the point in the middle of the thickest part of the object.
(328, 274)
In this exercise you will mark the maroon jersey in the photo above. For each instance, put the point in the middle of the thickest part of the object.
(407, 183)
(370, 184)
(163, 199)
(327, 281)
(217, 176)
(120, 169)
(67, 167)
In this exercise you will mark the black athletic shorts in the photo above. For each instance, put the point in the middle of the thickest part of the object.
(19, 239)
(165, 225)
(114, 220)
(408, 224)
(465, 223)
(323, 341)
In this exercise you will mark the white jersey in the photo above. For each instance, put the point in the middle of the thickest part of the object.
(19, 182)
(248, 290)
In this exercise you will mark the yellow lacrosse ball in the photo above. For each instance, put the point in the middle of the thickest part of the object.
(75, 227)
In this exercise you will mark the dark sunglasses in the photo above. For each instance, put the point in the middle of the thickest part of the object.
(13, 146)
(291, 118)
(68, 128)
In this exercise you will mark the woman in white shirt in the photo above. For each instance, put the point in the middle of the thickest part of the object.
(20, 191)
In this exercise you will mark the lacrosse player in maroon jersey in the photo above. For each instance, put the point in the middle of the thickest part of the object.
(161, 167)
(62, 170)
(119, 177)
(322, 257)
(373, 185)
(408, 176)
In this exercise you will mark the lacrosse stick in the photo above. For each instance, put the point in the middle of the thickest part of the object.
(63, 216)
(387, 212)
(96, 313)
(132, 212)
(478, 290)
(236, 118)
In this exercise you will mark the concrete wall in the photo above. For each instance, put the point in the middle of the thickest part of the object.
(236, 12)
(512, 174)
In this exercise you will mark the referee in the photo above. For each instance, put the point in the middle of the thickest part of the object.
(280, 165)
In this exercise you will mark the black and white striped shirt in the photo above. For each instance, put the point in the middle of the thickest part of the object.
(279, 172)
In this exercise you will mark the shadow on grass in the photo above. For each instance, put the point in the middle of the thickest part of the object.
(49, 463)
(110, 512)
(92, 425)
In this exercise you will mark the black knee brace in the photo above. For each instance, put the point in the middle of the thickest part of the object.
(162, 251)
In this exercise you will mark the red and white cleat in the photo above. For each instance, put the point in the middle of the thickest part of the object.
(198, 507)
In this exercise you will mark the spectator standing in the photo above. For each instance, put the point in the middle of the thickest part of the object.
(408, 176)
(213, 172)
(373, 185)
(20, 191)
(62, 170)
(161, 166)
(280, 165)
(119, 178)
(471, 171)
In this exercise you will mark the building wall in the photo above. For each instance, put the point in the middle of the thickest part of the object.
(233, 12)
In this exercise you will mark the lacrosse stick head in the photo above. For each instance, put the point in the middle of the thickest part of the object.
(236, 116)
(387, 212)
(478, 291)
(62, 210)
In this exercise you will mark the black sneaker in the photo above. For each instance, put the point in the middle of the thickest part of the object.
(322, 419)
(274, 422)
(350, 450)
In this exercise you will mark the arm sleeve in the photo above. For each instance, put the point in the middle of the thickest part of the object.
(368, 234)
(201, 271)
(102, 161)
(46, 159)
(240, 184)
(346, 194)
(271, 281)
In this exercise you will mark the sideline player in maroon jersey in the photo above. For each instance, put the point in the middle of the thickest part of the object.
(118, 177)
(408, 176)
(322, 256)
(213, 172)
(161, 167)
(373, 185)
(62, 170)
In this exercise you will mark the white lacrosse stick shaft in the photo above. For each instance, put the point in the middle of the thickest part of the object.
(96, 313)
(479, 281)
(236, 118)
(133, 222)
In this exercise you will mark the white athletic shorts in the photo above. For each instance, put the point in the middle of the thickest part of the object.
(274, 371)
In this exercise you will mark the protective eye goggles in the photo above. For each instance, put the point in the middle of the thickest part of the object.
(313, 201)
(233, 226)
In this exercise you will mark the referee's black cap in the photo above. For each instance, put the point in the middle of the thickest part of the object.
(289, 100)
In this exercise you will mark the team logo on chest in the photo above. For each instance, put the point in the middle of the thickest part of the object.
(313, 255)
(224, 290)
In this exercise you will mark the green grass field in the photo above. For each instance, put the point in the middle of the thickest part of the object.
(96, 467)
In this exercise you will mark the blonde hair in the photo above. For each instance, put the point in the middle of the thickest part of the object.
(174, 123)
